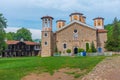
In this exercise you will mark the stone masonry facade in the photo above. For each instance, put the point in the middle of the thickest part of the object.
(73, 35)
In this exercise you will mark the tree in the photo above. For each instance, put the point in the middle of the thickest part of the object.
(116, 30)
(3, 24)
(113, 43)
(56, 49)
(2, 40)
(10, 35)
(23, 33)
(93, 47)
(87, 47)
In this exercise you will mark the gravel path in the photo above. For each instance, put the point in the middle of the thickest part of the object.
(109, 69)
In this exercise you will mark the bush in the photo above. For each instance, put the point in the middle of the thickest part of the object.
(89, 51)
(80, 50)
(68, 50)
(60, 52)
(56, 49)
(93, 47)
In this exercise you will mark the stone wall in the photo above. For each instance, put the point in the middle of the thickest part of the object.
(65, 36)
(102, 39)
(47, 49)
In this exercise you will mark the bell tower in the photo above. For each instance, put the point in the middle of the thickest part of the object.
(99, 23)
(60, 24)
(78, 17)
(47, 36)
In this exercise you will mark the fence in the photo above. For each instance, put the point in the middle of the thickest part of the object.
(87, 54)
(100, 54)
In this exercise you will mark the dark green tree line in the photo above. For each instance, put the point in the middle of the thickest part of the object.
(113, 43)
(3, 24)
(21, 33)
(24, 33)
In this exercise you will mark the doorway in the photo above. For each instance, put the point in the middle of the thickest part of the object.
(75, 50)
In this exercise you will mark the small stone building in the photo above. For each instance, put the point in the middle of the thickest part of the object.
(73, 35)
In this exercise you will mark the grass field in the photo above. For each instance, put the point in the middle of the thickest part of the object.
(16, 68)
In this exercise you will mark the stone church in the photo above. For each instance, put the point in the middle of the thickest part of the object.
(73, 35)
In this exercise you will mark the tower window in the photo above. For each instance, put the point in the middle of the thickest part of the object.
(45, 34)
(75, 17)
(45, 43)
(59, 25)
(98, 24)
(64, 46)
(95, 23)
(45, 20)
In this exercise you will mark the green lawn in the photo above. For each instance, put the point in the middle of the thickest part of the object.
(16, 68)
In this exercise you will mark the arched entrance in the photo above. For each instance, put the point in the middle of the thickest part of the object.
(75, 50)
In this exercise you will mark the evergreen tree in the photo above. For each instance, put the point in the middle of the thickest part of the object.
(87, 47)
(116, 31)
(93, 47)
(3, 24)
(113, 43)
(56, 49)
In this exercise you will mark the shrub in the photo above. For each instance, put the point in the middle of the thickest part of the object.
(87, 47)
(59, 52)
(93, 47)
(80, 50)
(68, 50)
(89, 51)
(56, 49)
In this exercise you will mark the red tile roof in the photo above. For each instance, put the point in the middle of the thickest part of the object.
(47, 17)
(98, 18)
(30, 43)
(102, 31)
(26, 42)
(60, 20)
(76, 13)
(11, 42)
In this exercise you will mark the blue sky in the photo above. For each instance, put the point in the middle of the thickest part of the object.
(27, 13)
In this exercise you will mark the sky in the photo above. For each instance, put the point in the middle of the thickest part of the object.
(27, 13)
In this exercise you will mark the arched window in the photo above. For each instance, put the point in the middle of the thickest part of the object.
(59, 25)
(95, 23)
(75, 17)
(45, 34)
(45, 43)
(99, 24)
(64, 46)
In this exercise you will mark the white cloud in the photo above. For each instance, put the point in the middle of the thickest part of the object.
(28, 12)
(36, 34)
(56, 4)
(11, 29)
(62, 4)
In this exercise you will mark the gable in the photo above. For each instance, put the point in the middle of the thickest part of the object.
(67, 35)
(84, 33)
(76, 22)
